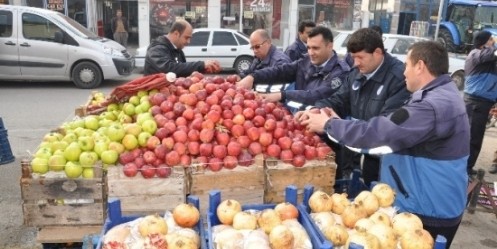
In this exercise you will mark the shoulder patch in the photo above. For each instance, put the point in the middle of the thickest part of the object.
(399, 116)
(336, 83)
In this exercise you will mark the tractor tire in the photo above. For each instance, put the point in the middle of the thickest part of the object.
(445, 38)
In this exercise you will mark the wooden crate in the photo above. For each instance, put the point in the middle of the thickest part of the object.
(146, 196)
(244, 184)
(278, 175)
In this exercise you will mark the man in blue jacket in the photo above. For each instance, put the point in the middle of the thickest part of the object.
(266, 55)
(298, 49)
(480, 91)
(316, 76)
(375, 86)
(425, 142)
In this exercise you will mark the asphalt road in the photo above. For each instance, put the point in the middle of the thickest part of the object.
(30, 110)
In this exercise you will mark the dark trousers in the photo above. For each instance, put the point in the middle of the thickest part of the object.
(477, 110)
(447, 232)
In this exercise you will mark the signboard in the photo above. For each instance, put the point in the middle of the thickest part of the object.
(200, 9)
(248, 14)
(190, 14)
(260, 6)
(56, 5)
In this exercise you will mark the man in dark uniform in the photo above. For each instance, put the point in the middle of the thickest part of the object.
(316, 76)
(298, 49)
(266, 55)
(375, 86)
(165, 54)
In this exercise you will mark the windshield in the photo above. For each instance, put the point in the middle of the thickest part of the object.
(486, 17)
(76, 27)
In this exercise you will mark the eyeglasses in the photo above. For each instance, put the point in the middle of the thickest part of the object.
(258, 46)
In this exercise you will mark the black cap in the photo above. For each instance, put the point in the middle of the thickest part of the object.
(481, 38)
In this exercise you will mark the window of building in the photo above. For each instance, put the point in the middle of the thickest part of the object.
(35, 3)
(38, 28)
(199, 38)
(5, 23)
(223, 38)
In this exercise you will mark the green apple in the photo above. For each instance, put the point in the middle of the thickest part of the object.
(44, 153)
(135, 100)
(59, 145)
(139, 109)
(58, 152)
(39, 165)
(143, 138)
(57, 162)
(86, 143)
(73, 169)
(117, 146)
(129, 109)
(149, 126)
(72, 152)
(132, 128)
(113, 107)
(130, 142)
(145, 105)
(115, 132)
(108, 115)
(51, 137)
(141, 93)
(109, 157)
(144, 98)
(100, 146)
(143, 116)
(124, 118)
(104, 123)
(77, 123)
(70, 137)
(152, 92)
(88, 173)
(48, 144)
(88, 159)
(91, 122)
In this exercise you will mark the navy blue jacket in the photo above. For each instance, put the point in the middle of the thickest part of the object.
(274, 57)
(310, 86)
(381, 94)
(481, 74)
(296, 50)
(425, 145)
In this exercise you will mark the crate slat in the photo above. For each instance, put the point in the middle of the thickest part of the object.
(61, 188)
(41, 215)
(278, 175)
(65, 234)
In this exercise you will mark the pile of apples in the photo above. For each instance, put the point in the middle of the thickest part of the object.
(203, 120)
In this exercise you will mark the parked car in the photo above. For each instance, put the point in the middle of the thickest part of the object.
(397, 46)
(44, 45)
(230, 47)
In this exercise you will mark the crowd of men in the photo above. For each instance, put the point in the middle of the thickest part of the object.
(401, 122)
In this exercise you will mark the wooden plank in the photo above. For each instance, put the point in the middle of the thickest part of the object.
(61, 188)
(144, 196)
(65, 234)
(319, 173)
(56, 214)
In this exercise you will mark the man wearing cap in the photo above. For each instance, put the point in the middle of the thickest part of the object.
(480, 91)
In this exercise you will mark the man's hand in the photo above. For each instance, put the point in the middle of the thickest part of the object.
(315, 120)
(246, 82)
(271, 97)
(301, 116)
(212, 66)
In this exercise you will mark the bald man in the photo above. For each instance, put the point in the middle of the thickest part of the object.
(266, 55)
(165, 54)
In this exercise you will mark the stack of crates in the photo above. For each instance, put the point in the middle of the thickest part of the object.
(5, 151)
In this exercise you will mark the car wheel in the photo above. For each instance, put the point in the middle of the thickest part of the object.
(458, 78)
(243, 63)
(86, 75)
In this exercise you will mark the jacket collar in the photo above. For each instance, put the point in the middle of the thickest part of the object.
(379, 74)
(301, 45)
(439, 81)
(269, 55)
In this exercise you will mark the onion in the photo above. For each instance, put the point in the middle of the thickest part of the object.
(268, 219)
(287, 210)
(186, 215)
(116, 235)
(300, 237)
(229, 239)
(320, 202)
(368, 201)
(257, 239)
(416, 239)
(337, 234)
(384, 193)
(226, 211)
(352, 214)
(152, 224)
(340, 201)
(385, 235)
(380, 217)
(190, 233)
(177, 241)
(404, 222)
(323, 219)
(281, 238)
(365, 239)
(363, 224)
(244, 220)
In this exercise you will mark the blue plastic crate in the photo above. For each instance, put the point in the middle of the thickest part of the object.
(6, 155)
(115, 217)
(305, 210)
(290, 196)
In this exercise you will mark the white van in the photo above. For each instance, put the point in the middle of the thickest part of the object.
(44, 45)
